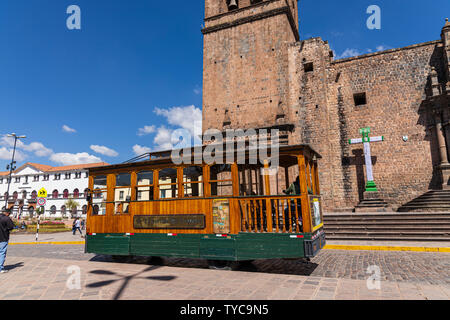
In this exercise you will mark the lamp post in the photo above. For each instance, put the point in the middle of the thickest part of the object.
(11, 167)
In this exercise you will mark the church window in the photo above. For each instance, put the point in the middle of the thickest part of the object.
(360, 99)
(308, 67)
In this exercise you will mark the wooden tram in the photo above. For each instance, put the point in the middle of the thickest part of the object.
(219, 212)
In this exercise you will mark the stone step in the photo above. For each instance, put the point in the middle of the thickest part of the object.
(420, 210)
(384, 237)
(383, 228)
(382, 218)
(384, 232)
(389, 224)
(426, 206)
(434, 195)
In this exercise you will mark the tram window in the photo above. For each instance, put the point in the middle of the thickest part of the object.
(145, 186)
(193, 181)
(251, 180)
(221, 180)
(168, 183)
(99, 198)
(122, 193)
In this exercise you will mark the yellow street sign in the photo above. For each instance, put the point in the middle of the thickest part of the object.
(42, 193)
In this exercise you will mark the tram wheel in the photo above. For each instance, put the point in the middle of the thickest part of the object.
(220, 265)
(155, 260)
(122, 259)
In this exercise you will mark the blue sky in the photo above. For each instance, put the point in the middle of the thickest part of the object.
(133, 73)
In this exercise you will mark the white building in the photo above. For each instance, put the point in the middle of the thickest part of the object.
(61, 184)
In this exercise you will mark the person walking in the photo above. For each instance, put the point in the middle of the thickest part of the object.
(6, 225)
(77, 226)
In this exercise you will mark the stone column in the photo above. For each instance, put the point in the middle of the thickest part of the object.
(441, 142)
(444, 165)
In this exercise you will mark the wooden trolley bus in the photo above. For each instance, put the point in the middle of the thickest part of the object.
(219, 212)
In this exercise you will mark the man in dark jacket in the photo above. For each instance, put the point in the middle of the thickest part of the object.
(6, 225)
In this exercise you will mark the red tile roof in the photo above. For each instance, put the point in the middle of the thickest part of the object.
(46, 168)
(78, 167)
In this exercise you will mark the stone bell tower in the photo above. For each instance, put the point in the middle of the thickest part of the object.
(245, 66)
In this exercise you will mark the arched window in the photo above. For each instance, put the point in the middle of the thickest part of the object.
(31, 211)
(53, 210)
(63, 210)
(84, 209)
(65, 193)
(74, 212)
(86, 192)
(76, 193)
(24, 194)
(34, 194)
(55, 194)
(15, 195)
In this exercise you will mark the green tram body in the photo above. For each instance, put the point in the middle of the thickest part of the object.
(253, 231)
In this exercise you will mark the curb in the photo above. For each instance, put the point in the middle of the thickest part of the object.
(386, 248)
(50, 242)
(327, 247)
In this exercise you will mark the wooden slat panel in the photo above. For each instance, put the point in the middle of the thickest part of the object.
(297, 227)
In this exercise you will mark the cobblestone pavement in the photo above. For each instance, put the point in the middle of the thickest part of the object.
(425, 268)
(44, 278)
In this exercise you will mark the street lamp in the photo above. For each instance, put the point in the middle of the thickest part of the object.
(11, 167)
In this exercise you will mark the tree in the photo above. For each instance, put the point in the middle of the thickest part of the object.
(71, 205)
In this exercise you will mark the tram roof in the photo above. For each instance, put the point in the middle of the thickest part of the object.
(165, 157)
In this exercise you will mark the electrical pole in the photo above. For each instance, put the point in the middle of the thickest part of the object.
(11, 167)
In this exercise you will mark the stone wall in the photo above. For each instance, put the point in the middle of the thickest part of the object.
(255, 68)
(394, 83)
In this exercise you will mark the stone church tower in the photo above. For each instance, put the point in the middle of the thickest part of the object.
(246, 62)
(258, 74)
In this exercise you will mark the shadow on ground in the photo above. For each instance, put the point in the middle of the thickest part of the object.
(125, 279)
(14, 266)
(300, 267)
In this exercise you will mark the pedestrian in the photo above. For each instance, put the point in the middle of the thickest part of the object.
(77, 226)
(82, 224)
(6, 225)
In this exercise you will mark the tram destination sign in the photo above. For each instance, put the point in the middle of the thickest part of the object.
(170, 221)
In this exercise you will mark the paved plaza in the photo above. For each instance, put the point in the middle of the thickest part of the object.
(50, 272)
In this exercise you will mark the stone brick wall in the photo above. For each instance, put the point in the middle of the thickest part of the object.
(394, 83)
(245, 67)
(256, 68)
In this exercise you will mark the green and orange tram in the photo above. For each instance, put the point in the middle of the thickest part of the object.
(222, 212)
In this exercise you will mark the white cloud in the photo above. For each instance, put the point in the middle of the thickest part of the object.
(352, 52)
(139, 150)
(6, 154)
(383, 48)
(38, 148)
(104, 151)
(74, 158)
(197, 90)
(189, 117)
(163, 138)
(146, 130)
(35, 147)
(349, 52)
(68, 129)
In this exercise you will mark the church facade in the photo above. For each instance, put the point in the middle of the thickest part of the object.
(258, 73)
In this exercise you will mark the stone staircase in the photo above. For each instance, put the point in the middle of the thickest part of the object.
(388, 226)
(433, 200)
